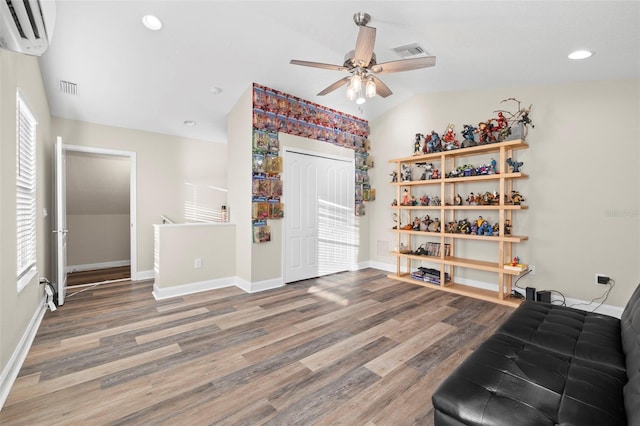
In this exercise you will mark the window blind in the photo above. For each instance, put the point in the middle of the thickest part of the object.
(26, 188)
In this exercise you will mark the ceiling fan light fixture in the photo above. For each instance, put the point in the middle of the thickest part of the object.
(370, 88)
(356, 82)
(361, 99)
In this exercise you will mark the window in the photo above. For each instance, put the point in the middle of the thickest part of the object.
(26, 192)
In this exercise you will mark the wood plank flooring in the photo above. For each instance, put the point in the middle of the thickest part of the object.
(98, 275)
(355, 348)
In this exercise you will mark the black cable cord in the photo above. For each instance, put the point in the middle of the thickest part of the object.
(515, 284)
(611, 283)
(564, 299)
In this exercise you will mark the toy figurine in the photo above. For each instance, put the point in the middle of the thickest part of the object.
(416, 223)
(515, 261)
(479, 221)
(424, 200)
(507, 227)
(434, 144)
(417, 143)
(484, 129)
(395, 220)
(435, 201)
(435, 225)
(468, 133)
(406, 173)
(394, 202)
(449, 138)
(426, 222)
(471, 199)
(515, 165)
(516, 198)
(474, 228)
(394, 176)
(405, 197)
(457, 200)
(452, 227)
(494, 166)
(485, 229)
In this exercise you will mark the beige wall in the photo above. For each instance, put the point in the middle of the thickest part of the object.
(97, 238)
(167, 168)
(178, 246)
(17, 310)
(584, 185)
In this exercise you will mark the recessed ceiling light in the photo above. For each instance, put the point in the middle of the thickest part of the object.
(580, 54)
(215, 90)
(152, 22)
(189, 123)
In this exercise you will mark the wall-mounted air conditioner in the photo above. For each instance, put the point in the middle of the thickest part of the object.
(26, 26)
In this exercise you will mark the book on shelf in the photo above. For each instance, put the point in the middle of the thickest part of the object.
(517, 267)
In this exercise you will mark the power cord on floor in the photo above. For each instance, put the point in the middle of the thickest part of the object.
(515, 284)
(611, 283)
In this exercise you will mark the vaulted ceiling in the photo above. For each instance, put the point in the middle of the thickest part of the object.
(128, 76)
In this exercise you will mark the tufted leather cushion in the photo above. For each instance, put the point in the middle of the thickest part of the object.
(507, 381)
(630, 329)
(584, 335)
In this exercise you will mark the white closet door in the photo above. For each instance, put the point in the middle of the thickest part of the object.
(319, 231)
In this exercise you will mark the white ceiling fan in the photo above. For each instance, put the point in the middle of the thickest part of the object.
(361, 64)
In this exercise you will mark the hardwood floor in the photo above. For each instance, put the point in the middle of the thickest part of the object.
(354, 348)
(98, 275)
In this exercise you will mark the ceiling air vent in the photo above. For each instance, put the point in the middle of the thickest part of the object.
(412, 50)
(68, 88)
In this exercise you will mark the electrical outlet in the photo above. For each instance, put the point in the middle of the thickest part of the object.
(197, 263)
(602, 279)
(532, 268)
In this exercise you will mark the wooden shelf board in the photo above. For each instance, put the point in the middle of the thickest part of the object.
(461, 289)
(488, 207)
(463, 152)
(518, 175)
(417, 182)
(506, 238)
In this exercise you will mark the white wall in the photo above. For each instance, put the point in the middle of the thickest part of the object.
(167, 168)
(584, 185)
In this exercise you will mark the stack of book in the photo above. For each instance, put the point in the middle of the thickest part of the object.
(429, 275)
(433, 249)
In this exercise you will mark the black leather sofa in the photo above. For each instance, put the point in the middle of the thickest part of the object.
(549, 365)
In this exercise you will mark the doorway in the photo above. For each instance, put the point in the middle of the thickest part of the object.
(100, 214)
(320, 232)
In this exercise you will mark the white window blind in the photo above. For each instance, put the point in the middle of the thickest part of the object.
(26, 190)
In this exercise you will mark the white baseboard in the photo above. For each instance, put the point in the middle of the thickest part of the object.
(254, 287)
(142, 275)
(183, 290)
(101, 265)
(10, 372)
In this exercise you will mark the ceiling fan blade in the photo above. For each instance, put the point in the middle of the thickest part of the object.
(319, 65)
(404, 65)
(382, 89)
(334, 86)
(364, 46)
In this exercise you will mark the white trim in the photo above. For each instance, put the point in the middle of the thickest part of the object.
(135, 275)
(197, 287)
(101, 265)
(11, 370)
(144, 275)
(255, 287)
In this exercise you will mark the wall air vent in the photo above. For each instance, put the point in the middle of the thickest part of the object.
(412, 50)
(26, 26)
(68, 88)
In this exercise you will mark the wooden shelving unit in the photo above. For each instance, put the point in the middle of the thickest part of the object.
(446, 190)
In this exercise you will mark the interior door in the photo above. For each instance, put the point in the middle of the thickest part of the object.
(301, 195)
(319, 228)
(60, 231)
